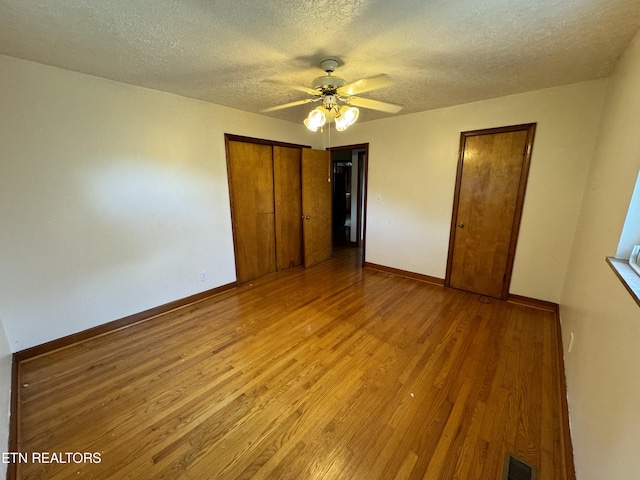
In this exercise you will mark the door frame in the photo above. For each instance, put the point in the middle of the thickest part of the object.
(362, 204)
(530, 128)
(362, 162)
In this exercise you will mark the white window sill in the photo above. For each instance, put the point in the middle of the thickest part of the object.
(629, 278)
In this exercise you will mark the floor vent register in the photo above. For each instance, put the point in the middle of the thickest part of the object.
(517, 469)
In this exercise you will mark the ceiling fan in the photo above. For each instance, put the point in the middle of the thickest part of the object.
(338, 98)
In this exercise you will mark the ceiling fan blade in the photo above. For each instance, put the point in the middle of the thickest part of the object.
(365, 85)
(375, 105)
(288, 105)
(300, 88)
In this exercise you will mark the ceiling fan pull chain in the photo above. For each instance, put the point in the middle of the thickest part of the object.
(330, 162)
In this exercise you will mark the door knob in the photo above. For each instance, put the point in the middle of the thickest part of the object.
(461, 225)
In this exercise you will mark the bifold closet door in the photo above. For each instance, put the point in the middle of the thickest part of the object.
(288, 206)
(250, 167)
(316, 206)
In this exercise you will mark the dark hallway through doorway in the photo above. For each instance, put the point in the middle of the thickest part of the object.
(349, 195)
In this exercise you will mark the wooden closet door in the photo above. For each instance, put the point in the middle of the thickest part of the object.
(250, 168)
(316, 206)
(288, 206)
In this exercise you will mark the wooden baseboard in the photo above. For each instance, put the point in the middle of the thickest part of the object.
(14, 415)
(405, 273)
(565, 439)
(129, 320)
(516, 299)
(535, 303)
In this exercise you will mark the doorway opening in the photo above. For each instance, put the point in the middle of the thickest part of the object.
(350, 164)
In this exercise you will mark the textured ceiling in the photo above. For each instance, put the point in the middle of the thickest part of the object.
(438, 52)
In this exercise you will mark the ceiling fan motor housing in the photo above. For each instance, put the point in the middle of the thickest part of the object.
(328, 84)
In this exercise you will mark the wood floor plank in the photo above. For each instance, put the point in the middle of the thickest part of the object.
(332, 372)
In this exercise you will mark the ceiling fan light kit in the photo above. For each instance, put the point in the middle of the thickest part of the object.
(334, 90)
(315, 120)
(346, 117)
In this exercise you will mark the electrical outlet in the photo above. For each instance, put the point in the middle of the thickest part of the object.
(203, 276)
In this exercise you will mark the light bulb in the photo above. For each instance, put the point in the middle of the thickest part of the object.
(317, 117)
(341, 124)
(313, 128)
(350, 114)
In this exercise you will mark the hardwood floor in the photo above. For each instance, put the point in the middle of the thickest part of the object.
(328, 373)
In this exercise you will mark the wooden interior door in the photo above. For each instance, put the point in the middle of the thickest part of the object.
(250, 168)
(492, 174)
(316, 206)
(288, 206)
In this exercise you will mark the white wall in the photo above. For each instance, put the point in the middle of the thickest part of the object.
(603, 376)
(5, 395)
(113, 198)
(412, 166)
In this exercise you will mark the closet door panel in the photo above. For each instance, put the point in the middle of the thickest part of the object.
(250, 168)
(288, 206)
(316, 206)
